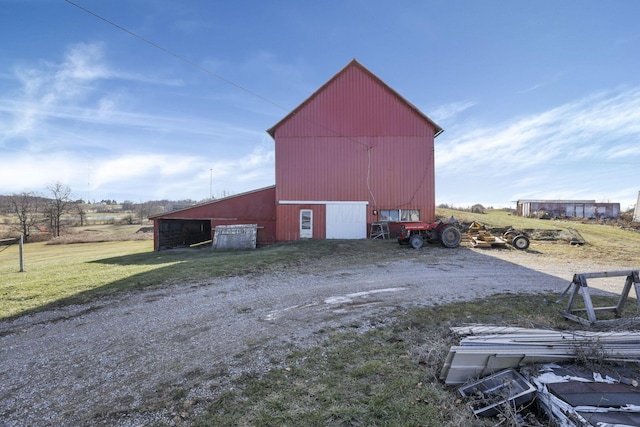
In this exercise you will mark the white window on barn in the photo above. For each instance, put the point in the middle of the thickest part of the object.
(395, 215)
(306, 223)
(391, 215)
(409, 215)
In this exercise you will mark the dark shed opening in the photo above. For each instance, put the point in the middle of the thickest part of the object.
(178, 233)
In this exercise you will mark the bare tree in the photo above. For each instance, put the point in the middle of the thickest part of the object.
(26, 206)
(81, 212)
(145, 210)
(58, 206)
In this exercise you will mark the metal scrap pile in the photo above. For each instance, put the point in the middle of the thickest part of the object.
(570, 395)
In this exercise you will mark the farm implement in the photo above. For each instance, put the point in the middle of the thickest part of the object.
(481, 237)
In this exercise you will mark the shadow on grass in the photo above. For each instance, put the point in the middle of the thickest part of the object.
(157, 258)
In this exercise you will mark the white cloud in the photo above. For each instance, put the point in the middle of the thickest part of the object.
(586, 149)
(595, 128)
(448, 111)
(72, 90)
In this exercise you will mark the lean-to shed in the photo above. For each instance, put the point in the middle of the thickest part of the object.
(196, 224)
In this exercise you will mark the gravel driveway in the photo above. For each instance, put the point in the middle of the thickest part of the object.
(117, 361)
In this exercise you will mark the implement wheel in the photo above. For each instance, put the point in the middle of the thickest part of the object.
(521, 242)
(416, 241)
(450, 236)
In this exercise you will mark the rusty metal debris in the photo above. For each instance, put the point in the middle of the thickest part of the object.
(602, 393)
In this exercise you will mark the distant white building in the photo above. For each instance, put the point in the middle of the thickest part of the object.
(568, 208)
(636, 212)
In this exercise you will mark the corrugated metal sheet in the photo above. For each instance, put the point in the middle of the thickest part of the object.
(355, 103)
(374, 110)
(356, 139)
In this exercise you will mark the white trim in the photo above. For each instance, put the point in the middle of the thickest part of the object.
(318, 202)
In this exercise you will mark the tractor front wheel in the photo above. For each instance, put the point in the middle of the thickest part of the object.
(450, 236)
(416, 241)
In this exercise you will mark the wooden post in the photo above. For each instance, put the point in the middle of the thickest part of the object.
(21, 258)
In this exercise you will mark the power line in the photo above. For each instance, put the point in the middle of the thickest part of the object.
(209, 72)
(175, 55)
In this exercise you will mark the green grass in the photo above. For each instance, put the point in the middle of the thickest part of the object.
(57, 274)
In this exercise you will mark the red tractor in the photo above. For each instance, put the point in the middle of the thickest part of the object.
(416, 233)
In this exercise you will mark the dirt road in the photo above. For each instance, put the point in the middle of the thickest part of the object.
(119, 361)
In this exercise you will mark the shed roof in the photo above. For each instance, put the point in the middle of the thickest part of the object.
(354, 63)
(554, 201)
(211, 202)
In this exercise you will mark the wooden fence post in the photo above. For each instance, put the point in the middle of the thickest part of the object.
(21, 258)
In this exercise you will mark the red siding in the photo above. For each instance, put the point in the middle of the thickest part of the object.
(355, 139)
(355, 103)
(393, 173)
(288, 226)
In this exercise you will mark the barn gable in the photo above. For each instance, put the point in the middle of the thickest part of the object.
(333, 110)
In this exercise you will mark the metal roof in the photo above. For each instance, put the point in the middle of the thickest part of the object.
(554, 201)
(210, 202)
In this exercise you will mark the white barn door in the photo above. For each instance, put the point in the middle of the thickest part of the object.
(346, 220)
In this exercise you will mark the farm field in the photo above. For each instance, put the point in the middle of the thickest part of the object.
(310, 332)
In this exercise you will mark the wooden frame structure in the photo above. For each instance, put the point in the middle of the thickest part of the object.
(579, 283)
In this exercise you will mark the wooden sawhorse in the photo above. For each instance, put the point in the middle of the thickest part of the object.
(579, 283)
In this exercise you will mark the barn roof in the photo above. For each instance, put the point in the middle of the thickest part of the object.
(354, 63)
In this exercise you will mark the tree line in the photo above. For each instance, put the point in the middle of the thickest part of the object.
(35, 211)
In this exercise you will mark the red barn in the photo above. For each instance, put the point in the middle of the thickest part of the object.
(355, 152)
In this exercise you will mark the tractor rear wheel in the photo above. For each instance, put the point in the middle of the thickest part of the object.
(416, 241)
(450, 236)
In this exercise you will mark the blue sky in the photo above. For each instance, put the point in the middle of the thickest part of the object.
(538, 99)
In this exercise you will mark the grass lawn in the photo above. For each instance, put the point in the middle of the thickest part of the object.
(59, 273)
(387, 376)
